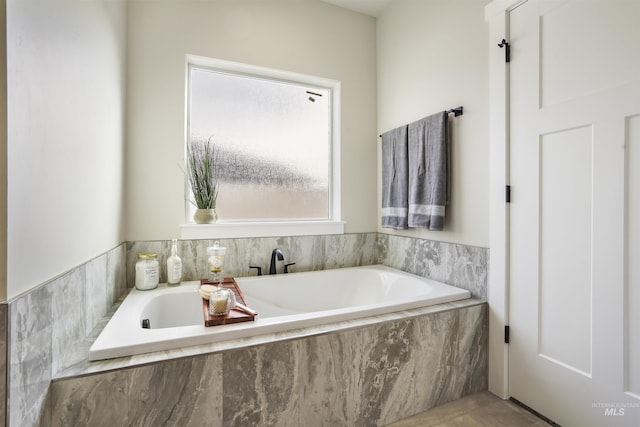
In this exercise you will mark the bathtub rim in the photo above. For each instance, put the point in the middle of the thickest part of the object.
(83, 366)
(140, 341)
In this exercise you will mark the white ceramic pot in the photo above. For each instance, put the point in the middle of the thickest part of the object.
(205, 216)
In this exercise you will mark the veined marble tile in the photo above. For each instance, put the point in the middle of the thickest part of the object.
(96, 296)
(38, 414)
(377, 375)
(48, 323)
(457, 342)
(307, 252)
(67, 315)
(350, 250)
(468, 267)
(459, 265)
(30, 332)
(116, 274)
(347, 377)
(4, 339)
(261, 385)
(363, 376)
(81, 298)
(472, 351)
(184, 392)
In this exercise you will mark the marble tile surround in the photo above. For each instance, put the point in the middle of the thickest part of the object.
(46, 324)
(367, 376)
(459, 265)
(4, 311)
(308, 252)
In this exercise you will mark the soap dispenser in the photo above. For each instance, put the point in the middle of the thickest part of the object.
(174, 265)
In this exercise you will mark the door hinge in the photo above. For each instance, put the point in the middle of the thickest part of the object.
(507, 194)
(506, 334)
(507, 50)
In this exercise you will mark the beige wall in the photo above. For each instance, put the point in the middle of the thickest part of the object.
(66, 108)
(432, 56)
(65, 76)
(302, 36)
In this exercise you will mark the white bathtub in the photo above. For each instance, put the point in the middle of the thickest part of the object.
(284, 302)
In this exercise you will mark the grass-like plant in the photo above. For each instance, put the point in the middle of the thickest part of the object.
(202, 171)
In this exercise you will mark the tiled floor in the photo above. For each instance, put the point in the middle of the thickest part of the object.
(478, 410)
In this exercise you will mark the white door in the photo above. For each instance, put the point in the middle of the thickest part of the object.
(574, 313)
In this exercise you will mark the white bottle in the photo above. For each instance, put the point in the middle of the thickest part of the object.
(174, 265)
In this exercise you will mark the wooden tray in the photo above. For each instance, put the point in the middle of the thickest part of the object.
(234, 316)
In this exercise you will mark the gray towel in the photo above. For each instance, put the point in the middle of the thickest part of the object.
(428, 172)
(395, 178)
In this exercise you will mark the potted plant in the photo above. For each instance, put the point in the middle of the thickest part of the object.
(202, 171)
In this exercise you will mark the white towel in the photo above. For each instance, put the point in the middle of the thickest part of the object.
(395, 178)
(428, 171)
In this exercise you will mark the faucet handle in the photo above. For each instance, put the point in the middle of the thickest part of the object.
(286, 267)
(257, 268)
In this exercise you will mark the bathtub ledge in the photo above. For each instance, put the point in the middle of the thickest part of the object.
(81, 365)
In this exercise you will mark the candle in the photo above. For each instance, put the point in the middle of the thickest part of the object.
(219, 302)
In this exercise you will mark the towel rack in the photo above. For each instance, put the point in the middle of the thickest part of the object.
(456, 112)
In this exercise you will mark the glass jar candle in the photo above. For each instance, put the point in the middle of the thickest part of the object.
(220, 302)
(147, 271)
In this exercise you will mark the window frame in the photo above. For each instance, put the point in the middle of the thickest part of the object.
(284, 227)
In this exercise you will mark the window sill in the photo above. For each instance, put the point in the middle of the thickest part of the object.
(229, 230)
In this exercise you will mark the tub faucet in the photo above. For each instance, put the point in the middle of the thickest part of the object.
(276, 253)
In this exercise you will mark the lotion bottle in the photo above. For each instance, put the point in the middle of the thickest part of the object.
(174, 265)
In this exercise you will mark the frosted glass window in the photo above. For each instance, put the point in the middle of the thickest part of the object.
(273, 140)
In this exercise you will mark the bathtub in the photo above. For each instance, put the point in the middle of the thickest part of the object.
(284, 302)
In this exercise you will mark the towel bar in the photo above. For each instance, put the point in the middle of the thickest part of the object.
(456, 112)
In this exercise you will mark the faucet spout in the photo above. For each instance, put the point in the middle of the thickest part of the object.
(276, 254)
